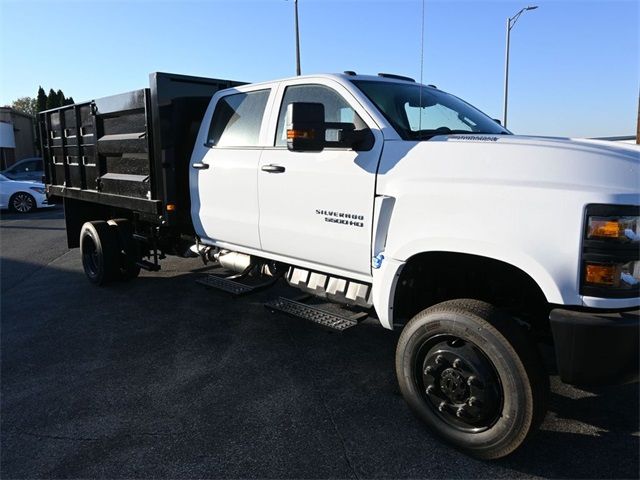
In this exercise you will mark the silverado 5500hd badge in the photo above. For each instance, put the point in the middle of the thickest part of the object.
(353, 220)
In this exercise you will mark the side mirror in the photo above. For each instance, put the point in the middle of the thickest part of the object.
(305, 127)
(497, 120)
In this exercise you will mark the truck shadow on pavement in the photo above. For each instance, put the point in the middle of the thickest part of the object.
(594, 436)
(162, 377)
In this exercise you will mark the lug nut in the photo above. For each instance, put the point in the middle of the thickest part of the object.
(473, 401)
(429, 370)
(440, 360)
(430, 389)
(460, 412)
(442, 406)
(473, 381)
(457, 363)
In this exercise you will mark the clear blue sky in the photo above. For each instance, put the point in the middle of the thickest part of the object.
(574, 64)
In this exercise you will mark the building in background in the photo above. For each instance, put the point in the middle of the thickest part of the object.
(24, 137)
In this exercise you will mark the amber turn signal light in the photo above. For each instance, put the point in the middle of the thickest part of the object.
(602, 274)
(171, 207)
(291, 134)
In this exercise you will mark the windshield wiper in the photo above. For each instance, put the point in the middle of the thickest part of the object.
(427, 134)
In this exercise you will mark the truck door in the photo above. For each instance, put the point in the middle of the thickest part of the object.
(318, 206)
(224, 165)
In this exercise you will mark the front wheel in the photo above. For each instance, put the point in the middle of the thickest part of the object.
(471, 374)
(22, 202)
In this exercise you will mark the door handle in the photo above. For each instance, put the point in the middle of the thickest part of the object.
(273, 168)
(200, 166)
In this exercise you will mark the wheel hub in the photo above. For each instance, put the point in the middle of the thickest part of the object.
(453, 385)
(460, 383)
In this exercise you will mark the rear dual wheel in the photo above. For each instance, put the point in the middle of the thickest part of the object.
(470, 373)
(108, 251)
(129, 253)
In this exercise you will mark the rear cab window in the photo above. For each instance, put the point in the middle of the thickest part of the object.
(237, 119)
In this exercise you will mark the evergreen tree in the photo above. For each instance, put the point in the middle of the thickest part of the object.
(61, 99)
(69, 101)
(52, 99)
(41, 100)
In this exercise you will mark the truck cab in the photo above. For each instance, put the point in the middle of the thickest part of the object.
(437, 178)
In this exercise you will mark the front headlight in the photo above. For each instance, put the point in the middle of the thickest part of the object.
(611, 251)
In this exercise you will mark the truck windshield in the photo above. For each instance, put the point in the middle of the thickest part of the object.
(422, 113)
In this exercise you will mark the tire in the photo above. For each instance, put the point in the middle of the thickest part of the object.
(128, 253)
(471, 374)
(22, 202)
(100, 252)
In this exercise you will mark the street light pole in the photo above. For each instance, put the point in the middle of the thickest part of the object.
(511, 21)
(506, 74)
(295, 3)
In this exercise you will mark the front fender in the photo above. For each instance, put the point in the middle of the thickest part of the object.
(557, 289)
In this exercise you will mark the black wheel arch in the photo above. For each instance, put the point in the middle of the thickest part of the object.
(430, 278)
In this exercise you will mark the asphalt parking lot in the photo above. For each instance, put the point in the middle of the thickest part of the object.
(160, 377)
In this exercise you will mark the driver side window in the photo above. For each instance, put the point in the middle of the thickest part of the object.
(336, 108)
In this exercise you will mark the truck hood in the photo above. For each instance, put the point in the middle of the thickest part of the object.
(543, 162)
(560, 143)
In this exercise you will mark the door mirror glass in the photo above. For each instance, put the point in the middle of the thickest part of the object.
(306, 129)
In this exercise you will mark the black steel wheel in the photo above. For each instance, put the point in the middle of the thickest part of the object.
(460, 382)
(99, 250)
(22, 202)
(472, 375)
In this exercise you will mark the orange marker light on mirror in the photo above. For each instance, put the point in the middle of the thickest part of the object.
(291, 134)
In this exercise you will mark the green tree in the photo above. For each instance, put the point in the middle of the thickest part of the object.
(69, 101)
(52, 100)
(61, 98)
(26, 105)
(41, 100)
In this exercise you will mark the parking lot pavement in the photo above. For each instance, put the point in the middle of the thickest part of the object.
(159, 377)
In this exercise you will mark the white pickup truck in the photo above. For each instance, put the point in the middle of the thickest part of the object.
(377, 197)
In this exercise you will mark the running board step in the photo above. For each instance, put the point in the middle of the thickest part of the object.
(332, 316)
(233, 285)
(146, 265)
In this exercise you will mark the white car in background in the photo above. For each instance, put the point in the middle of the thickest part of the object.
(22, 197)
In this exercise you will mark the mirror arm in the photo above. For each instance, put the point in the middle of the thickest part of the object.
(358, 140)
